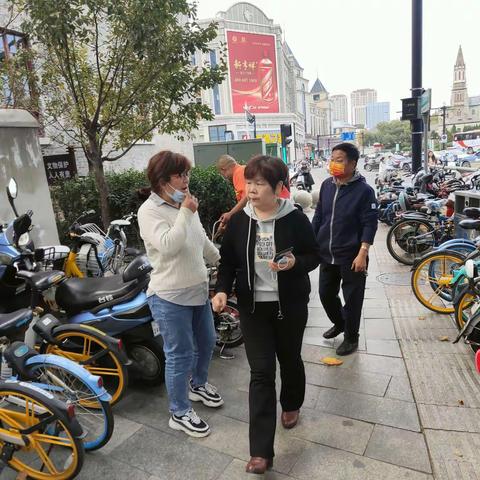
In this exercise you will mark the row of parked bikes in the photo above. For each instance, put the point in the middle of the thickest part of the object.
(74, 327)
(444, 267)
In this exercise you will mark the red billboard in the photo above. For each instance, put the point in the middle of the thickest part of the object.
(253, 72)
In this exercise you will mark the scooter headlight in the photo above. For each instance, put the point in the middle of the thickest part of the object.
(24, 240)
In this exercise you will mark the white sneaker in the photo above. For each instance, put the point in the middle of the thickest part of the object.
(207, 394)
(190, 423)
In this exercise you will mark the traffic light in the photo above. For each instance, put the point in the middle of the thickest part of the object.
(286, 133)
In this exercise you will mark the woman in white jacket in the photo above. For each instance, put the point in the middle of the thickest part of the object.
(177, 247)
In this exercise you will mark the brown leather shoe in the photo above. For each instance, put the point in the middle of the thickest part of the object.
(290, 419)
(259, 465)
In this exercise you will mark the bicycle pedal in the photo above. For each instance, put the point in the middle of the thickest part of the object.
(7, 453)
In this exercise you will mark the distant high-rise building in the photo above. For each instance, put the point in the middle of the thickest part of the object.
(359, 100)
(339, 108)
(377, 112)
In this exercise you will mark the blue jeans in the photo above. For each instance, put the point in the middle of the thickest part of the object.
(188, 342)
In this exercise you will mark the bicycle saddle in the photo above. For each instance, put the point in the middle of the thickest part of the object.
(472, 212)
(14, 319)
(470, 224)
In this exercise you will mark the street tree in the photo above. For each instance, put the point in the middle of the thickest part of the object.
(391, 133)
(113, 72)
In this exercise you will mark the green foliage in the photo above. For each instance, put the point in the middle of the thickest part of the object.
(71, 198)
(112, 73)
(215, 194)
(391, 133)
(469, 128)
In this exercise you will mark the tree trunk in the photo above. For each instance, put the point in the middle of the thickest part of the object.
(94, 156)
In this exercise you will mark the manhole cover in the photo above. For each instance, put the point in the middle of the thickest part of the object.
(395, 278)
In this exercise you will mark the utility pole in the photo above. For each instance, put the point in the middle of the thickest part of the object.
(417, 90)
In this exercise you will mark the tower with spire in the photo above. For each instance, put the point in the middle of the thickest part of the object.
(459, 96)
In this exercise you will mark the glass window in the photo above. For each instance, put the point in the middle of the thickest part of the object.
(216, 133)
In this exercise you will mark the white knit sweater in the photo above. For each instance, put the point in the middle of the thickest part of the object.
(176, 244)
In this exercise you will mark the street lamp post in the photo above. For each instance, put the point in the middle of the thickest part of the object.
(417, 90)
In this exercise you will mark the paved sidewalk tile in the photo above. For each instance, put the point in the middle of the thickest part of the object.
(333, 431)
(379, 364)
(400, 389)
(385, 411)
(457, 418)
(321, 463)
(379, 328)
(230, 437)
(346, 379)
(454, 455)
(444, 379)
(400, 447)
(236, 471)
(389, 348)
(167, 456)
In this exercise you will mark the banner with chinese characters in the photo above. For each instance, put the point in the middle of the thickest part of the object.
(253, 72)
(60, 167)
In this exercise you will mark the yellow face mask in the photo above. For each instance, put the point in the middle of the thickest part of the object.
(336, 169)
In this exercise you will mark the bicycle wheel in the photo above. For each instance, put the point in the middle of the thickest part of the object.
(94, 415)
(92, 353)
(410, 239)
(432, 277)
(52, 451)
(468, 304)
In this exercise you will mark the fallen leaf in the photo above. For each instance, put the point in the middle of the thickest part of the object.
(444, 338)
(461, 402)
(331, 361)
(21, 476)
(421, 318)
(458, 453)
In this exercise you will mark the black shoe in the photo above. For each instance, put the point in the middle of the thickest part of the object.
(346, 348)
(333, 332)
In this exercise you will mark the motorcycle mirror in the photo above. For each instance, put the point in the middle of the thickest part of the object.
(12, 191)
(12, 188)
(470, 269)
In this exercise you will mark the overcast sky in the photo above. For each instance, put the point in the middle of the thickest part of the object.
(356, 44)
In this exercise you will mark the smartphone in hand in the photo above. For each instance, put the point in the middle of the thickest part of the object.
(283, 253)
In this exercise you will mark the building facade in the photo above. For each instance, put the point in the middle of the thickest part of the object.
(463, 110)
(339, 108)
(359, 101)
(257, 56)
(376, 113)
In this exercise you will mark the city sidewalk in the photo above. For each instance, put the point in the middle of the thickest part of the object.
(406, 406)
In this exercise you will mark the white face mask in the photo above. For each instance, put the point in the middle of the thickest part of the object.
(177, 196)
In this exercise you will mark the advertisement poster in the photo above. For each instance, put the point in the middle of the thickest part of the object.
(253, 72)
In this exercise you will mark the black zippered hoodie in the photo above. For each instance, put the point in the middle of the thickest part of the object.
(293, 230)
(346, 215)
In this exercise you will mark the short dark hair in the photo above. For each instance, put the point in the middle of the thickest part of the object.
(272, 169)
(163, 165)
(351, 151)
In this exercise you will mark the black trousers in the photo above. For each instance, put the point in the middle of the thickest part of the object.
(346, 317)
(268, 337)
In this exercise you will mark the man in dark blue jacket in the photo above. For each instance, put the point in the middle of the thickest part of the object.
(345, 224)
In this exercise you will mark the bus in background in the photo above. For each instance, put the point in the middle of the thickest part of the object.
(470, 141)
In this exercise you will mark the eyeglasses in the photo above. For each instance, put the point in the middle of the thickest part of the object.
(183, 175)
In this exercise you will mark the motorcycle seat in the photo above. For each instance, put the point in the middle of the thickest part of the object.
(94, 294)
(41, 280)
(470, 224)
(14, 319)
(472, 212)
